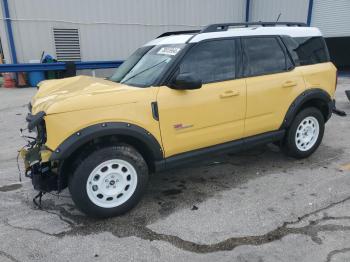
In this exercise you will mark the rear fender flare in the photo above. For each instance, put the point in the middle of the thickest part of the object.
(308, 95)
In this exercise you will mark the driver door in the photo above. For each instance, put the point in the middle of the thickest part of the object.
(211, 115)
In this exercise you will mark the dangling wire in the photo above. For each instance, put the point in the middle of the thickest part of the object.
(29, 139)
(38, 196)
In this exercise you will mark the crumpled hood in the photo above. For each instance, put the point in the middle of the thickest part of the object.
(79, 93)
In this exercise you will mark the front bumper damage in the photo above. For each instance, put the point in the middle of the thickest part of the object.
(41, 171)
(36, 156)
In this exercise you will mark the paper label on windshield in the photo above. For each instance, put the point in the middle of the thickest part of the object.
(168, 51)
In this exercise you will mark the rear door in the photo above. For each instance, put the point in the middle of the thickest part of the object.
(272, 83)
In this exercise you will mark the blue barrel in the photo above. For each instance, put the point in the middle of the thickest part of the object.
(35, 77)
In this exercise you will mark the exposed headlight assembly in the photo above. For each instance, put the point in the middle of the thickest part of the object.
(35, 120)
(34, 131)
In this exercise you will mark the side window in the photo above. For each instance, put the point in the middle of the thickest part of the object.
(211, 61)
(263, 55)
(291, 45)
(310, 50)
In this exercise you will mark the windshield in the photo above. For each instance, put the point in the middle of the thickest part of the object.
(144, 66)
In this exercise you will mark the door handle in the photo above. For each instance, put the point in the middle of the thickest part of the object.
(229, 93)
(289, 83)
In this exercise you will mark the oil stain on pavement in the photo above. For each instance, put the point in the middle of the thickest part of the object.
(129, 225)
(12, 187)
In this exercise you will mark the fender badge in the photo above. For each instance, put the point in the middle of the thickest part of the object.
(181, 126)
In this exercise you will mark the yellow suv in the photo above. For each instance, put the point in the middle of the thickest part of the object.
(180, 97)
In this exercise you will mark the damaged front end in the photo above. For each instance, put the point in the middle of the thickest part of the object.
(36, 156)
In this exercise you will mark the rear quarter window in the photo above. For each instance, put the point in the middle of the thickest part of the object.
(307, 50)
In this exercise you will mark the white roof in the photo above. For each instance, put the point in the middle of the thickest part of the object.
(292, 31)
(173, 39)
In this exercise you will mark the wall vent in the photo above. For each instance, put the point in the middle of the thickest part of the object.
(67, 44)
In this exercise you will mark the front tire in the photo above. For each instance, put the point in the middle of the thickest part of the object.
(109, 182)
(305, 133)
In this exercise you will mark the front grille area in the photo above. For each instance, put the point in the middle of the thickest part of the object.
(42, 133)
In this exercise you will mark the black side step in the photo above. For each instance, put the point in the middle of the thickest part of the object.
(230, 147)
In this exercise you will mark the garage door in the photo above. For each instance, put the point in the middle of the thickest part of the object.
(332, 17)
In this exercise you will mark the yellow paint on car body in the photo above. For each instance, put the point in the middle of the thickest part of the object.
(214, 114)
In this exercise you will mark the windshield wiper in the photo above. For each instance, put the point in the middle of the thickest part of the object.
(131, 77)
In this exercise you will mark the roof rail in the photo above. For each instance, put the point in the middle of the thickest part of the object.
(179, 33)
(225, 26)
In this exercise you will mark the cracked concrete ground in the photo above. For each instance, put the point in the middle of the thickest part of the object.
(257, 206)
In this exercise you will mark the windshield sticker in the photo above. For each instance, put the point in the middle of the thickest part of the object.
(168, 51)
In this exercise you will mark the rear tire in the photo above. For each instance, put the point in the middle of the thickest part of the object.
(109, 181)
(305, 133)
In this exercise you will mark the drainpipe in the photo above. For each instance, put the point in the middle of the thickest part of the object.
(6, 15)
(309, 13)
(247, 11)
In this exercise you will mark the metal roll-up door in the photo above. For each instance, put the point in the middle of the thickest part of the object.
(332, 17)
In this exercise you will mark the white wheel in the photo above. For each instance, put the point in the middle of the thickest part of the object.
(111, 183)
(307, 133)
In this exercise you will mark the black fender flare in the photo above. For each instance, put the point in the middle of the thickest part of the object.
(79, 138)
(307, 95)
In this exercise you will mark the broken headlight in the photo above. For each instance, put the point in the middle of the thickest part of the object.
(36, 125)
(35, 120)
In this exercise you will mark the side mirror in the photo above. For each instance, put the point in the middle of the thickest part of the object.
(186, 81)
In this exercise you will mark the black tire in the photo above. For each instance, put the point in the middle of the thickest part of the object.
(78, 181)
(289, 145)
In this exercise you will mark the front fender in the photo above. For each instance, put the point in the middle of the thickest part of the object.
(66, 148)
